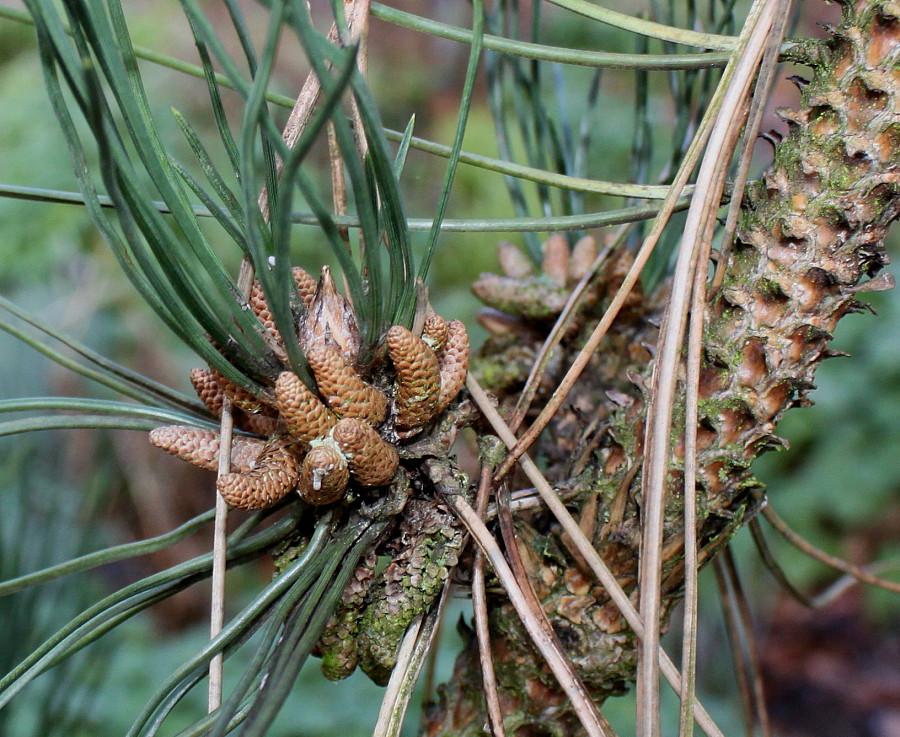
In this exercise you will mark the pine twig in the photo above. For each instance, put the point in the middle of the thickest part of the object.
(595, 725)
(598, 567)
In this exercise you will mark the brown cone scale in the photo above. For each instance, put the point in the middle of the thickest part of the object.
(454, 363)
(208, 389)
(306, 289)
(434, 332)
(324, 475)
(240, 397)
(418, 383)
(304, 416)
(371, 459)
(343, 390)
(274, 475)
(201, 447)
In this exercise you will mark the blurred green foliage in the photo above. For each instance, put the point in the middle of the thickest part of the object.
(840, 476)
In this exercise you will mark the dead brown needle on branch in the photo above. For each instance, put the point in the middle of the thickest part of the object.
(556, 659)
(590, 555)
(820, 555)
(220, 536)
(694, 255)
(479, 609)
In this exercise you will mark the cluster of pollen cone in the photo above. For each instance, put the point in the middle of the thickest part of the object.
(320, 441)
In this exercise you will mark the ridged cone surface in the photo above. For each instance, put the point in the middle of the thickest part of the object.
(240, 397)
(454, 363)
(306, 285)
(418, 383)
(434, 332)
(208, 389)
(810, 231)
(257, 301)
(306, 288)
(429, 541)
(210, 392)
(201, 447)
(259, 424)
(303, 414)
(371, 459)
(337, 645)
(274, 475)
(324, 475)
(343, 390)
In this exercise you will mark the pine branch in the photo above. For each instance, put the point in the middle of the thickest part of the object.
(811, 230)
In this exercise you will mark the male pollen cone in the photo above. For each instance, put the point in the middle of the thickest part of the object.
(201, 447)
(208, 389)
(418, 384)
(305, 417)
(324, 475)
(343, 390)
(371, 459)
(454, 363)
(434, 332)
(275, 474)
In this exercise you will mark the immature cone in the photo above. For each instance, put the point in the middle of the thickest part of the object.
(201, 447)
(418, 384)
(555, 263)
(208, 389)
(584, 253)
(343, 390)
(454, 363)
(371, 459)
(534, 297)
(434, 332)
(513, 262)
(274, 475)
(304, 416)
(324, 475)
(240, 397)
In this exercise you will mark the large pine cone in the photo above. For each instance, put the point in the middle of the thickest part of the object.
(811, 229)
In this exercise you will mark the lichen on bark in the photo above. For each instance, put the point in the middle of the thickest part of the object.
(811, 229)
